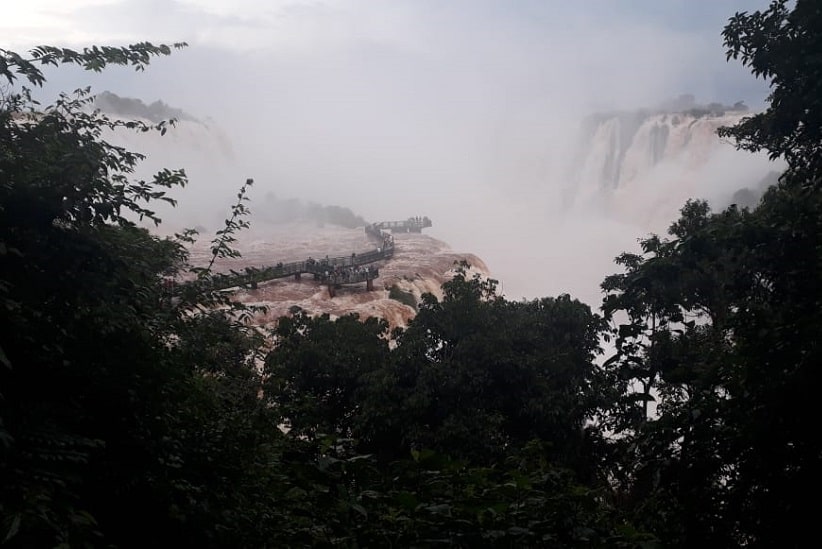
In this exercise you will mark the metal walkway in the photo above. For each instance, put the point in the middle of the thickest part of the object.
(334, 272)
(410, 225)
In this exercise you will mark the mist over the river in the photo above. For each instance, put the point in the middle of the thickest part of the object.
(472, 113)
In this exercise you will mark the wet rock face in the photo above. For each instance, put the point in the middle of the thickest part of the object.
(640, 167)
(420, 264)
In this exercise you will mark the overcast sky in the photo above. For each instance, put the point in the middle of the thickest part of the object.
(459, 110)
(674, 45)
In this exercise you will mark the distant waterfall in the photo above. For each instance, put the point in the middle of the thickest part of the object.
(642, 166)
(207, 155)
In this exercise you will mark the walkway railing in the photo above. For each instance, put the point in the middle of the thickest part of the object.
(333, 271)
(410, 225)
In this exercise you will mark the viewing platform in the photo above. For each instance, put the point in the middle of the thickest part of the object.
(333, 272)
(410, 225)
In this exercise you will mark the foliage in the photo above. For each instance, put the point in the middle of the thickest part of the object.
(781, 45)
(730, 360)
(472, 387)
(475, 375)
(131, 415)
(718, 326)
(430, 500)
(317, 373)
(120, 407)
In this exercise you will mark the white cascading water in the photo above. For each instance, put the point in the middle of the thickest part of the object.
(642, 167)
(630, 175)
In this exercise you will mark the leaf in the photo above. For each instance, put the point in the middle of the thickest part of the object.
(407, 500)
(296, 493)
(360, 509)
(14, 527)
(439, 509)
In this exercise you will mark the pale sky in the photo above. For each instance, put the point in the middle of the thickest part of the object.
(263, 23)
(672, 40)
(460, 109)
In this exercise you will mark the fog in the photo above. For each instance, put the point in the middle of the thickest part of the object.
(468, 112)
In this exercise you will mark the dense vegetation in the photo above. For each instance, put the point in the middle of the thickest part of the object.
(131, 419)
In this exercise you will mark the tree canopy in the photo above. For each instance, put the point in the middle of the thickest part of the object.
(722, 323)
(131, 417)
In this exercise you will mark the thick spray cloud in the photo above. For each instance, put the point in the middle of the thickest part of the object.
(464, 111)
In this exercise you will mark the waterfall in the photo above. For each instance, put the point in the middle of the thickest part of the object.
(642, 166)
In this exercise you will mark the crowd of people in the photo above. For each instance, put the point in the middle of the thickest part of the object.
(355, 273)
